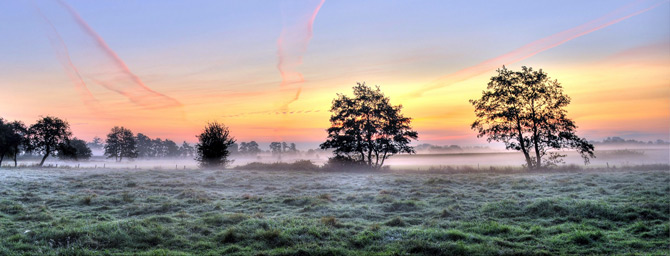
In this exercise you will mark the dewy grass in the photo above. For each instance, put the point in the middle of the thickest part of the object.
(241, 212)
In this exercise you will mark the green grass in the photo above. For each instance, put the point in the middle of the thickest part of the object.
(237, 212)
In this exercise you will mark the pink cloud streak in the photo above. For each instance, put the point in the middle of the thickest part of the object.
(541, 45)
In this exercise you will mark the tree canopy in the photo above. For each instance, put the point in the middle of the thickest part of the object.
(46, 134)
(74, 149)
(526, 111)
(212, 149)
(367, 129)
(13, 138)
(120, 143)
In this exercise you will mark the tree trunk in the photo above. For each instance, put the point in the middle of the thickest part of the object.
(383, 158)
(2, 155)
(535, 137)
(537, 150)
(523, 145)
(45, 157)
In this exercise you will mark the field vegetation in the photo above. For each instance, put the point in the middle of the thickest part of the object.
(64, 211)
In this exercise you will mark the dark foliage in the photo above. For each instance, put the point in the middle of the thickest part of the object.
(46, 134)
(212, 149)
(249, 148)
(526, 111)
(367, 128)
(13, 138)
(300, 165)
(74, 149)
(120, 143)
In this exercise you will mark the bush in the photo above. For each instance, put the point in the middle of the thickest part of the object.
(341, 163)
(300, 165)
(212, 149)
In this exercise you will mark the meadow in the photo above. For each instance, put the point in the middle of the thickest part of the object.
(67, 211)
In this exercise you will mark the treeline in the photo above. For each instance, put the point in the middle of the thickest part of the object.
(430, 148)
(121, 143)
(48, 136)
(622, 141)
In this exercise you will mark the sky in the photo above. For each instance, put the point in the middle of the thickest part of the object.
(270, 69)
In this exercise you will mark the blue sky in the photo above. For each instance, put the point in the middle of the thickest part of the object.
(192, 49)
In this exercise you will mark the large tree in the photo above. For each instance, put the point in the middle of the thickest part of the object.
(212, 149)
(46, 134)
(120, 143)
(366, 128)
(526, 111)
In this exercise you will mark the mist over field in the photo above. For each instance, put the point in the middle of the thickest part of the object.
(613, 156)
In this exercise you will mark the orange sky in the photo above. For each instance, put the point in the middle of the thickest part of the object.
(619, 81)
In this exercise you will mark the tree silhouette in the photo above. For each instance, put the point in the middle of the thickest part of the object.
(144, 146)
(526, 111)
(74, 149)
(249, 148)
(13, 136)
(276, 148)
(4, 139)
(186, 150)
(212, 149)
(367, 128)
(46, 134)
(120, 143)
(96, 143)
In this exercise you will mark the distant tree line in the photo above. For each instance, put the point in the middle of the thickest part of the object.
(280, 148)
(620, 141)
(247, 148)
(121, 143)
(48, 136)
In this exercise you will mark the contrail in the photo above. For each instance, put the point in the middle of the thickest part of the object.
(63, 55)
(291, 46)
(123, 80)
(540, 45)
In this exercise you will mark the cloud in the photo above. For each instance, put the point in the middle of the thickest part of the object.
(541, 45)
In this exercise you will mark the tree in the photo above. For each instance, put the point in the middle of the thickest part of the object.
(171, 148)
(4, 139)
(276, 148)
(186, 149)
(96, 143)
(526, 111)
(120, 143)
(46, 134)
(74, 149)
(212, 149)
(144, 145)
(13, 135)
(367, 128)
(249, 148)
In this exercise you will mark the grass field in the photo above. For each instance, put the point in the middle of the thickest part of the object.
(237, 212)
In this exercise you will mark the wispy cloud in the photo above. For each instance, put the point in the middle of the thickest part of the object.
(541, 45)
(292, 44)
